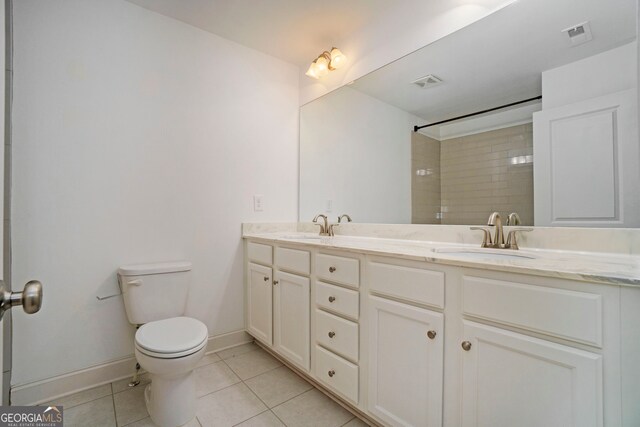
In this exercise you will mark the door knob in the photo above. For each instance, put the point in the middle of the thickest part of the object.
(431, 334)
(466, 345)
(30, 298)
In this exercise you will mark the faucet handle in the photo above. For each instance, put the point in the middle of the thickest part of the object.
(513, 219)
(512, 242)
(486, 238)
(344, 216)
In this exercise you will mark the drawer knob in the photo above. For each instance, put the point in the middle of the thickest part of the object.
(466, 345)
(332, 299)
(431, 334)
(331, 334)
(331, 373)
(266, 278)
(332, 269)
(275, 282)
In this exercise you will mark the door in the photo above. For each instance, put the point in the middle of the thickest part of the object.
(291, 317)
(260, 300)
(405, 363)
(587, 162)
(511, 379)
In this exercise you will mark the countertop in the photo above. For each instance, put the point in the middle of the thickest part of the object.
(614, 269)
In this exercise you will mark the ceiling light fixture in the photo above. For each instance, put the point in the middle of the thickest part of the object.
(325, 62)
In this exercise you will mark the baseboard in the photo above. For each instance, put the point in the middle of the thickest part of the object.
(73, 382)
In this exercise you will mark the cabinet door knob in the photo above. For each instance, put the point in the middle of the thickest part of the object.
(466, 345)
(332, 269)
(275, 282)
(332, 299)
(431, 334)
(331, 373)
(331, 334)
(266, 278)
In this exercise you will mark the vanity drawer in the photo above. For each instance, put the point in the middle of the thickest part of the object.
(337, 373)
(293, 260)
(260, 253)
(337, 334)
(417, 285)
(572, 315)
(338, 299)
(338, 269)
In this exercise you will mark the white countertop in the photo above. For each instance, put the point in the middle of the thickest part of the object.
(617, 269)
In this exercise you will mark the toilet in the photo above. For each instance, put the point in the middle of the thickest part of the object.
(168, 345)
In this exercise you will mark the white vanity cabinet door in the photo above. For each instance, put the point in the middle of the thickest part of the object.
(259, 302)
(405, 365)
(291, 317)
(511, 379)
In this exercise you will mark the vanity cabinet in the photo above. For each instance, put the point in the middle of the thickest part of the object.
(514, 379)
(336, 330)
(291, 317)
(260, 302)
(405, 363)
(375, 332)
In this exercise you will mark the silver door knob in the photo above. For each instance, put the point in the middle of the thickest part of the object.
(30, 298)
(466, 345)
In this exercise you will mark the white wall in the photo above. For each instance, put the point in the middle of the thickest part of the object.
(408, 26)
(356, 151)
(597, 75)
(137, 139)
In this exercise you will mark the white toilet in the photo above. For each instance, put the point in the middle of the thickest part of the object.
(167, 345)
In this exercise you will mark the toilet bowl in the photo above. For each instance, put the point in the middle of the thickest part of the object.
(167, 344)
(169, 350)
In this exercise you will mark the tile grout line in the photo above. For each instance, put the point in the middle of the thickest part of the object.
(354, 417)
(265, 403)
(113, 404)
(74, 406)
(257, 415)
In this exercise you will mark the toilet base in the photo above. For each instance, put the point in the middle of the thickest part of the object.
(171, 396)
(172, 402)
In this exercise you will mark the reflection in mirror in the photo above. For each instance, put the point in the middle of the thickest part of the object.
(570, 159)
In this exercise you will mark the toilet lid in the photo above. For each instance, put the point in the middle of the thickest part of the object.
(168, 336)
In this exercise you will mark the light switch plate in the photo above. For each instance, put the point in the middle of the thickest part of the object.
(258, 205)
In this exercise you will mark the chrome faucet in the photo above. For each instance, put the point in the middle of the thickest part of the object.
(497, 241)
(495, 220)
(324, 227)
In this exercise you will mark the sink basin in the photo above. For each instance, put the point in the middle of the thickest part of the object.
(483, 254)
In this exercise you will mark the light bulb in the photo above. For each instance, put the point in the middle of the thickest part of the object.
(312, 71)
(337, 58)
(322, 66)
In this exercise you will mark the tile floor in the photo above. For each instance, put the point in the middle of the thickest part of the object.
(241, 386)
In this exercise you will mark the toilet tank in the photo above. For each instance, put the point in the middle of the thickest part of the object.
(154, 291)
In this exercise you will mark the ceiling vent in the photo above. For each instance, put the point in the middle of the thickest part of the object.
(427, 82)
(578, 34)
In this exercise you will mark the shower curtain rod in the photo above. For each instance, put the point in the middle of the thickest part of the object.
(417, 128)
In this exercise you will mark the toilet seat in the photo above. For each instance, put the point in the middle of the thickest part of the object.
(171, 338)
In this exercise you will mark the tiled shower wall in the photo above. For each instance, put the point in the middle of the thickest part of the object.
(425, 179)
(478, 174)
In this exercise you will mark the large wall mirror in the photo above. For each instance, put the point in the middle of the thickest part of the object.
(559, 146)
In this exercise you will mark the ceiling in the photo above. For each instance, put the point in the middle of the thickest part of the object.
(293, 30)
(499, 59)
